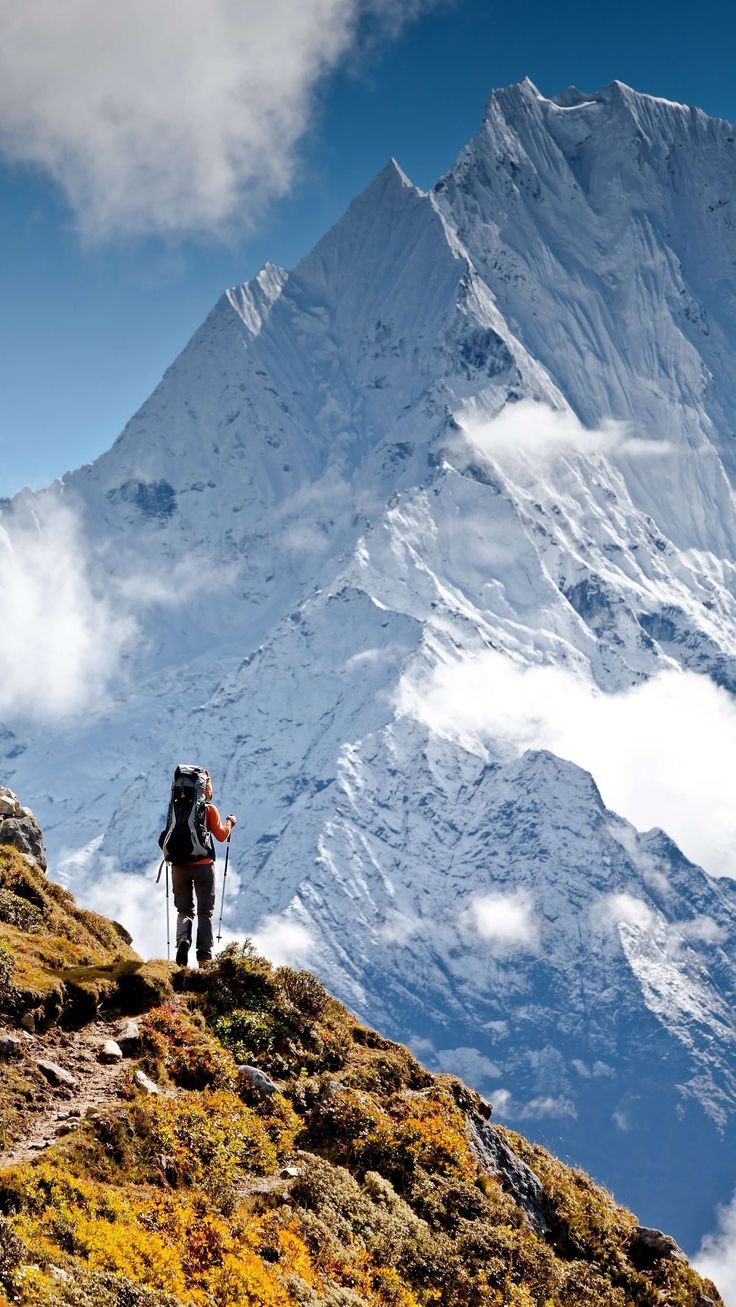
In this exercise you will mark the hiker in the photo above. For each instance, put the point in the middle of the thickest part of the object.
(187, 844)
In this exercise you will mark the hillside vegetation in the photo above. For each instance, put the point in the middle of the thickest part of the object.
(346, 1176)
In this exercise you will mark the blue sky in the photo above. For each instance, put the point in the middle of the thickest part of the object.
(88, 326)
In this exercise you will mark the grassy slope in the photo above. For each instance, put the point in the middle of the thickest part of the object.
(179, 1199)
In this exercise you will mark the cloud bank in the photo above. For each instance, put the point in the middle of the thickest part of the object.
(171, 116)
(716, 1258)
(661, 753)
(507, 922)
(62, 639)
(533, 431)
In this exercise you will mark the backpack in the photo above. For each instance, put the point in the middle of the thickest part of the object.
(185, 837)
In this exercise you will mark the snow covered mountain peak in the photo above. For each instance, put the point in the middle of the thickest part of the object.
(475, 437)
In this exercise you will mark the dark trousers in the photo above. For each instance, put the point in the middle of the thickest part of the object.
(188, 881)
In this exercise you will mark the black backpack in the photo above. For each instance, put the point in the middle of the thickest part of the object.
(185, 837)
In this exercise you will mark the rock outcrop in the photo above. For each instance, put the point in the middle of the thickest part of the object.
(19, 828)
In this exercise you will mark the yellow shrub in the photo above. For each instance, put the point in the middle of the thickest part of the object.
(205, 1137)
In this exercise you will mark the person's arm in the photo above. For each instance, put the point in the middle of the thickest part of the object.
(219, 828)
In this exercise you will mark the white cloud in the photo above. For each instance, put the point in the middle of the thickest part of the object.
(506, 921)
(534, 431)
(716, 1258)
(661, 753)
(625, 909)
(171, 115)
(136, 901)
(547, 1105)
(470, 1064)
(702, 930)
(62, 637)
(544, 1105)
(70, 619)
(501, 1101)
(283, 940)
(399, 928)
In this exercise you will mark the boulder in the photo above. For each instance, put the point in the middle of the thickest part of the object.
(252, 1075)
(8, 804)
(647, 1246)
(129, 1037)
(56, 1075)
(496, 1159)
(109, 1051)
(11, 1046)
(22, 831)
(143, 1082)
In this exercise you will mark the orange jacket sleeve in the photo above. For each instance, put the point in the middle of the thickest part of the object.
(220, 829)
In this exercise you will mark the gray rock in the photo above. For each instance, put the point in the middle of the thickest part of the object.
(11, 1046)
(290, 1172)
(648, 1246)
(8, 805)
(515, 1177)
(56, 1075)
(67, 1128)
(28, 1023)
(143, 1082)
(110, 1051)
(129, 1038)
(24, 833)
(60, 1275)
(258, 1079)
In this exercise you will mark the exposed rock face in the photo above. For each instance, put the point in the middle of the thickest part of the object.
(19, 827)
(514, 1176)
(649, 1246)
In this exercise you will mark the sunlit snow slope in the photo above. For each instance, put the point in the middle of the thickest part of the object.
(313, 516)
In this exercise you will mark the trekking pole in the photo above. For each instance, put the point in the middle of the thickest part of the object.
(224, 878)
(168, 927)
(165, 864)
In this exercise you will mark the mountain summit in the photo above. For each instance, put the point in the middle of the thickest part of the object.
(475, 435)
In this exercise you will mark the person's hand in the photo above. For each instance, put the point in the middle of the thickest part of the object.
(233, 820)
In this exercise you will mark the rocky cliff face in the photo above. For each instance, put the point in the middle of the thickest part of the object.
(174, 1137)
(19, 828)
(358, 463)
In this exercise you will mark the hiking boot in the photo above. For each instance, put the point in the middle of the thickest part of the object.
(203, 963)
(182, 954)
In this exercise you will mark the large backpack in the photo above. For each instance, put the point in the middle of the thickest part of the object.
(185, 837)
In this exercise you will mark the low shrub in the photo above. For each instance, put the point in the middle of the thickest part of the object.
(19, 912)
(206, 1138)
(13, 1253)
(172, 1042)
(408, 1132)
(8, 992)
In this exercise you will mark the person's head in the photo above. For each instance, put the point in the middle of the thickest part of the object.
(208, 786)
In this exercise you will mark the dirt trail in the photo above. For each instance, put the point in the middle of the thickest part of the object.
(57, 1109)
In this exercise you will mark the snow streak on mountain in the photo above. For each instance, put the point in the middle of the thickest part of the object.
(481, 432)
